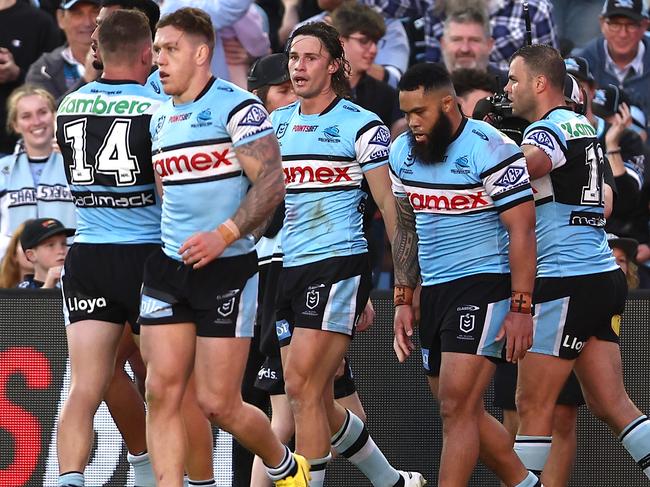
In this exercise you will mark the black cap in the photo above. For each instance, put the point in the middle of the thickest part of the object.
(268, 70)
(606, 101)
(579, 67)
(40, 229)
(632, 9)
(68, 4)
(628, 245)
(572, 93)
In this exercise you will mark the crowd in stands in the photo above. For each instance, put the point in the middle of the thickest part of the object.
(45, 53)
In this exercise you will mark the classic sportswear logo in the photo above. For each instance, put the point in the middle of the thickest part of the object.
(87, 305)
(101, 106)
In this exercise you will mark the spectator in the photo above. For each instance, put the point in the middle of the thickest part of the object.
(621, 56)
(14, 266)
(269, 80)
(467, 43)
(507, 21)
(360, 29)
(45, 246)
(32, 181)
(472, 85)
(58, 70)
(624, 250)
(392, 49)
(25, 33)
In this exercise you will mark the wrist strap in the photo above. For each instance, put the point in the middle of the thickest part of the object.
(521, 302)
(402, 295)
(229, 231)
(613, 151)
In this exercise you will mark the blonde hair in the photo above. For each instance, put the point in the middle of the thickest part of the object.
(10, 274)
(20, 93)
(632, 275)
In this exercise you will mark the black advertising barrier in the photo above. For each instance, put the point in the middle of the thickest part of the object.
(402, 417)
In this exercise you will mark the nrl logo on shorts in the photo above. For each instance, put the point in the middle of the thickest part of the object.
(313, 298)
(226, 308)
(467, 323)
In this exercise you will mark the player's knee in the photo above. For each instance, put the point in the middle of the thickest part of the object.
(162, 390)
(87, 393)
(220, 408)
(455, 405)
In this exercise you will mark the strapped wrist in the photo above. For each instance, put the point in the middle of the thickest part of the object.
(229, 231)
(521, 302)
(402, 295)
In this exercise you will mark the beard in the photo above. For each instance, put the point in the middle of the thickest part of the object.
(438, 139)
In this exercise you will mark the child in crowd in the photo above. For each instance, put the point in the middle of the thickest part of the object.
(14, 266)
(45, 246)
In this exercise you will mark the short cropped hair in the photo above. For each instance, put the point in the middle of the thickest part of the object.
(193, 21)
(430, 76)
(354, 17)
(466, 80)
(147, 7)
(329, 38)
(121, 34)
(543, 60)
(469, 15)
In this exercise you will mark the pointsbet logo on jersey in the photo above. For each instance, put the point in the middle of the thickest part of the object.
(98, 105)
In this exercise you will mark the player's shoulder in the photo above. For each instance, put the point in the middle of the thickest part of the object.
(480, 133)
(354, 114)
(104, 98)
(400, 151)
(285, 112)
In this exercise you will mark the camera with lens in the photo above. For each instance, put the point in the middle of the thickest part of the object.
(497, 111)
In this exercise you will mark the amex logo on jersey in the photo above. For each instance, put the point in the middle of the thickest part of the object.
(303, 175)
(448, 201)
(196, 162)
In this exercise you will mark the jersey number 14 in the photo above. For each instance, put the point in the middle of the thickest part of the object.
(113, 157)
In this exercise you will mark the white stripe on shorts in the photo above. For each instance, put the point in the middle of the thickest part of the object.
(341, 306)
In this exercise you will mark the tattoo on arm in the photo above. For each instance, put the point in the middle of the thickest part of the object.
(405, 246)
(256, 211)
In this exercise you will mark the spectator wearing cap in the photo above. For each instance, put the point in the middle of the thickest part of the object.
(621, 56)
(60, 69)
(625, 250)
(44, 242)
(269, 80)
(26, 32)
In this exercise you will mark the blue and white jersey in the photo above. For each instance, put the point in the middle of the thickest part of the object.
(457, 201)
(571, 238)
(324, 157)
(102, 130)
(194, 156)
